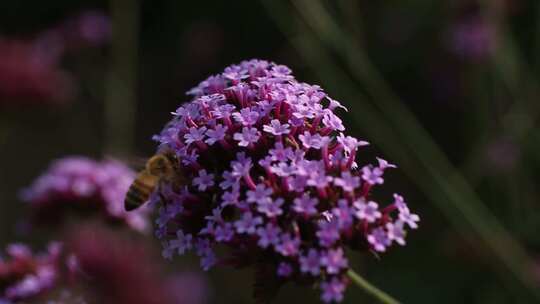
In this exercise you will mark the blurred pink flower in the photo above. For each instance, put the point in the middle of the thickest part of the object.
(472, 38)
(30, 74)
(120, 270)
(30, 69)
(88, 29)
(81, 186)
(25, 275)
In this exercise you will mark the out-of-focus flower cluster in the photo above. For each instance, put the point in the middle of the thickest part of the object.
(274, 177)
(29, 74)
(81, 185)
(95, 265)
(117, 269)
(473, 38)
(24, 275)
(30, 70)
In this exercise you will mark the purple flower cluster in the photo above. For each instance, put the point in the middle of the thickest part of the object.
(24, 275)
(273, 175)
(86, 186)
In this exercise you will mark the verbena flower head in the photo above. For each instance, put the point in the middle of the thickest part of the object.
(79, 185)
(275, 178)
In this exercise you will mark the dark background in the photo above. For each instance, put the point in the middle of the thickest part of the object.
(448, 90)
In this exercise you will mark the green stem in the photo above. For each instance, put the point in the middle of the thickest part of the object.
(120, 96)
(380, 295)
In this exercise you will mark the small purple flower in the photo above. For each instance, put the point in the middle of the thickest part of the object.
(343, 214)
(311, 263)
(182, 242)
(333, 122)
(276, 128)
(208, 260)
(396, 232)
(228, 180)
(189, 158)
(260, 195)
(282, 169)
(347, 181)
(288, 245)
(204, 180)
(335, 104)
(305, 205)
(248, 224)
(280, 153)
(319, 179)
(231, 197)
(247, 137)
(202, 246)
(279, 71)
(372, 175)
(378, 238)
(383, 164)
(350, 143)
(167, 251)
(268, 235)
(399, 202)
(369, 212)
(298, 183)
(188, 110)
(234, 75)
(215, 216)
(209, 229)
(334, 261)
(284, 270)
(223, 111)
(311, 141)
(246, 117)
(271, 208)
(328, 233)
(224, 232)
(195, 135)
(409, 218)
(216, 134)
(332, 290)
(241, 166)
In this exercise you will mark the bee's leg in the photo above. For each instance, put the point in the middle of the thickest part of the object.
(160, 193)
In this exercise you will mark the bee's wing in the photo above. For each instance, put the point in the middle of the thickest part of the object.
(136, 162)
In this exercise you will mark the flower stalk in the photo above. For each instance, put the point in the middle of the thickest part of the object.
(371, 289)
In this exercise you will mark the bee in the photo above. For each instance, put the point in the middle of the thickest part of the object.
(159, 168)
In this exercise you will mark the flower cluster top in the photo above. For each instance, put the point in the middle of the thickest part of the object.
(274, 177)
(84, 185)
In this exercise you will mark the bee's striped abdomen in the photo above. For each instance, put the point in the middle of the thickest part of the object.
(139, 191)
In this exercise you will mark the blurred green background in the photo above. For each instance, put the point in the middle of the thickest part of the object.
(448, 90)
